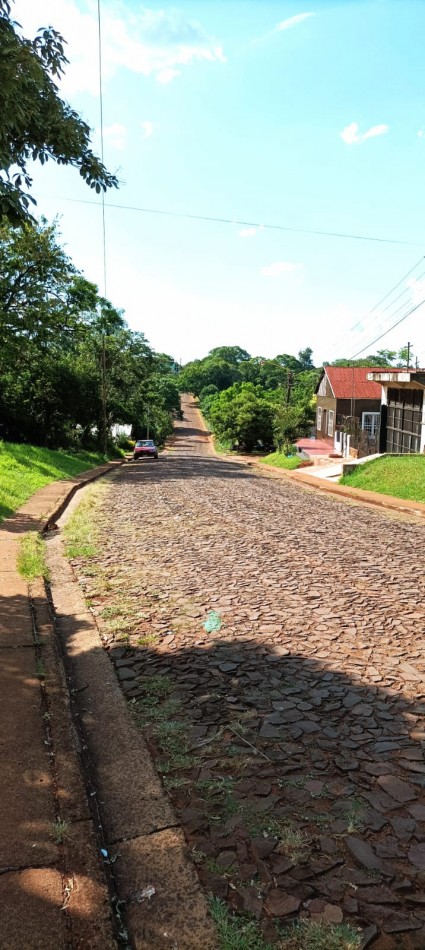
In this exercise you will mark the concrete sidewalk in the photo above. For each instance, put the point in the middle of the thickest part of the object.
(53, 894)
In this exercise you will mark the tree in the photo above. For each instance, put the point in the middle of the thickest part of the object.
(211, 371)
(289, 362)
(304, 357)
(230, 354)
(405, 355)
(41, 292)
(70, 367)
(242, 414)
(289, 424)
(381, 358)
(35, 122)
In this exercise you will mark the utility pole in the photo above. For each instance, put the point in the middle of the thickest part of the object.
(289, 388)
(408, 355)
(103, 395)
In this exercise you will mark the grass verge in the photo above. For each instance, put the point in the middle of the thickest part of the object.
(81, 530)
(399, 475)
(281, 461)
(32, 557)
(26, 468)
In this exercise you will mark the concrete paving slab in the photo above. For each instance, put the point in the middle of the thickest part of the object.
(88, 898)
(31, 915)
(15, 627)
(27, 802)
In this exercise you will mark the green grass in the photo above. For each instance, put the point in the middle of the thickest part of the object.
(61, 830)
(223, 448)
(313, 935)
(240, 932)
(235, 932)
(32, 557)
(26, 468)
(281, 461)
(399, 475)
(81, 530)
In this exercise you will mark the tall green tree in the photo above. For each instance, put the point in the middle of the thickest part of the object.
(242, 414)
(35, 123)
(70, 367)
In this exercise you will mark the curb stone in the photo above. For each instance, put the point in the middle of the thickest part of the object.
(142, 834)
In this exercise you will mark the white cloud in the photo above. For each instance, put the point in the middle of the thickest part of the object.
(149, 42)
(292, 21)
(421, 133)
(351, 134)
(116, 135)
(147, 129)
(247, 232)
(167, 75)
(278, 268)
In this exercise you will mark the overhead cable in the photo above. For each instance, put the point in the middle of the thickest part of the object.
(406, 315)
(246, 224)
(359, 323)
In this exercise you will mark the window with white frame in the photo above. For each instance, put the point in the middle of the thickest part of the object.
(319, 418)
(330, 422)
(370, 422)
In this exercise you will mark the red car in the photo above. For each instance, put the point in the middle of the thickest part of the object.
(144, 449)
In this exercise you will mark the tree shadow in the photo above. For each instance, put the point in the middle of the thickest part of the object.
(173, 468)
(301, 792)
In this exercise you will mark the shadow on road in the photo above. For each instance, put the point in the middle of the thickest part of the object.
(300, 790)
(171, 468)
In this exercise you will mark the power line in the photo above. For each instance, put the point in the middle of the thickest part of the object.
(344, 337)
(247, 224)
(403, 292)
(99, 31)
(408, 314)
(382, 326)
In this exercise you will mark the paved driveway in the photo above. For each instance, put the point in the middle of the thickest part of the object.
(290, 732)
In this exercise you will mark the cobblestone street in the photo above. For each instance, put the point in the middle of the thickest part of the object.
(269, 640)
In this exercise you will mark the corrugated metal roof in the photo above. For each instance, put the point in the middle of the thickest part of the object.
(350, 382)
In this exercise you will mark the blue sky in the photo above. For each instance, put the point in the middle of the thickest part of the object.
(307, 115)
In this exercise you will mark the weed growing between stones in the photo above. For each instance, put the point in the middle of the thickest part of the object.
(39, 669)
(313, 935)
(241, 932)
(61, 830)
(150, 640)
(354, 816)
(155, 710)
(236, 932)
(172, 782)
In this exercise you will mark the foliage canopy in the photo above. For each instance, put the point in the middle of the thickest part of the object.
(36, 124)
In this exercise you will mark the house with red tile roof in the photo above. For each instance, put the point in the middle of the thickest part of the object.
(346, 393)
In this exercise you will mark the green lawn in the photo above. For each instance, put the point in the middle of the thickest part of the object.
(399, 475)
(26, 468)
(281, 461)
